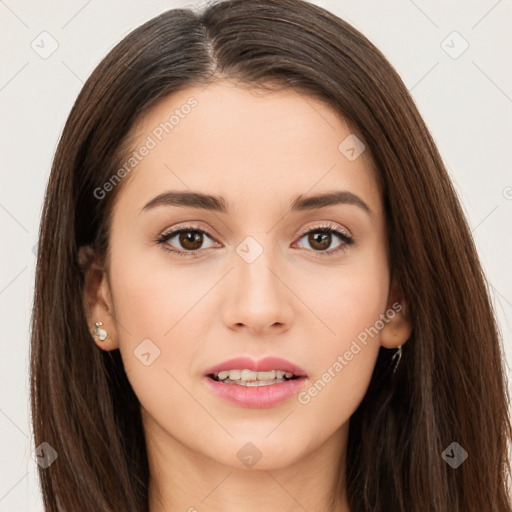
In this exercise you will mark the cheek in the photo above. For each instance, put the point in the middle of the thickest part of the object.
(348, 298)
(149, 300)
(349, 302)
(153, 297)
(159, 334)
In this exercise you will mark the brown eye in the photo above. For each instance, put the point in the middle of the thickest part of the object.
(319, 241)
(191, 240)
(186, 241)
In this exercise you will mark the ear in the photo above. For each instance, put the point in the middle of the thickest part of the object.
(97, 298)
(398, 326)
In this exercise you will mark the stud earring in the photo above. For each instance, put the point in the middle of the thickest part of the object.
(100, 332)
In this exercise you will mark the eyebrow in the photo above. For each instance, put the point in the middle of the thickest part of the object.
(219, 204)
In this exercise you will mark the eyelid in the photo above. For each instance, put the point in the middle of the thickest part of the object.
(185, 227)
(327, 225)
(175, 230)
(301, 233)
(343, 235)
(338, 231)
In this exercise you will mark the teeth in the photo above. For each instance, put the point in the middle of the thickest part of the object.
(247, 375)
(266, 375)
(254, 378)
(253, 383)
(234, 374)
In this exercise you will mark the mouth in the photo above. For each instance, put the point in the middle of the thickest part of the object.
(265, 383)
(250, 378)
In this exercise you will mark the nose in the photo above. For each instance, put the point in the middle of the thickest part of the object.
(259, 300)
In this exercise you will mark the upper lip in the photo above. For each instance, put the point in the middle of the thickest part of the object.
(261, 365)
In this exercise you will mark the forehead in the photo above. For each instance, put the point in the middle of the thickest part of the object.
(253, 147)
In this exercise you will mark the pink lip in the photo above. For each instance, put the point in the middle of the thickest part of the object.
(263, 365)
(257, 397)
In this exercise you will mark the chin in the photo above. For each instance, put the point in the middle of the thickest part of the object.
(259, 453)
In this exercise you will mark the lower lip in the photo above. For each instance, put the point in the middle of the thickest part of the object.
(257, 397)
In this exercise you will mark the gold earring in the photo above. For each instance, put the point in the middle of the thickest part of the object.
(100, 332)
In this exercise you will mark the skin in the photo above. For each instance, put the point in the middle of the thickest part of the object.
(259, 151)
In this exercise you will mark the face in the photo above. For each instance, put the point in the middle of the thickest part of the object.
(258, 272)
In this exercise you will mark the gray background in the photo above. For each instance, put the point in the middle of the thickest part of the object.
(465, 98)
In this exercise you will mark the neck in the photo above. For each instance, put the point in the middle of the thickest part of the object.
(185, 480)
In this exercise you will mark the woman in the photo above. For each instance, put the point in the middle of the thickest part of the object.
(255, 286)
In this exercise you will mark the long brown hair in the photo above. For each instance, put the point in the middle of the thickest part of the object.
(450, 385)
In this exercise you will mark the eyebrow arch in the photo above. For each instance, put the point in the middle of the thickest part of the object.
(219, 204)
(329, 199)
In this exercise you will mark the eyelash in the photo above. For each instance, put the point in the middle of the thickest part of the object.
(324, 228)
